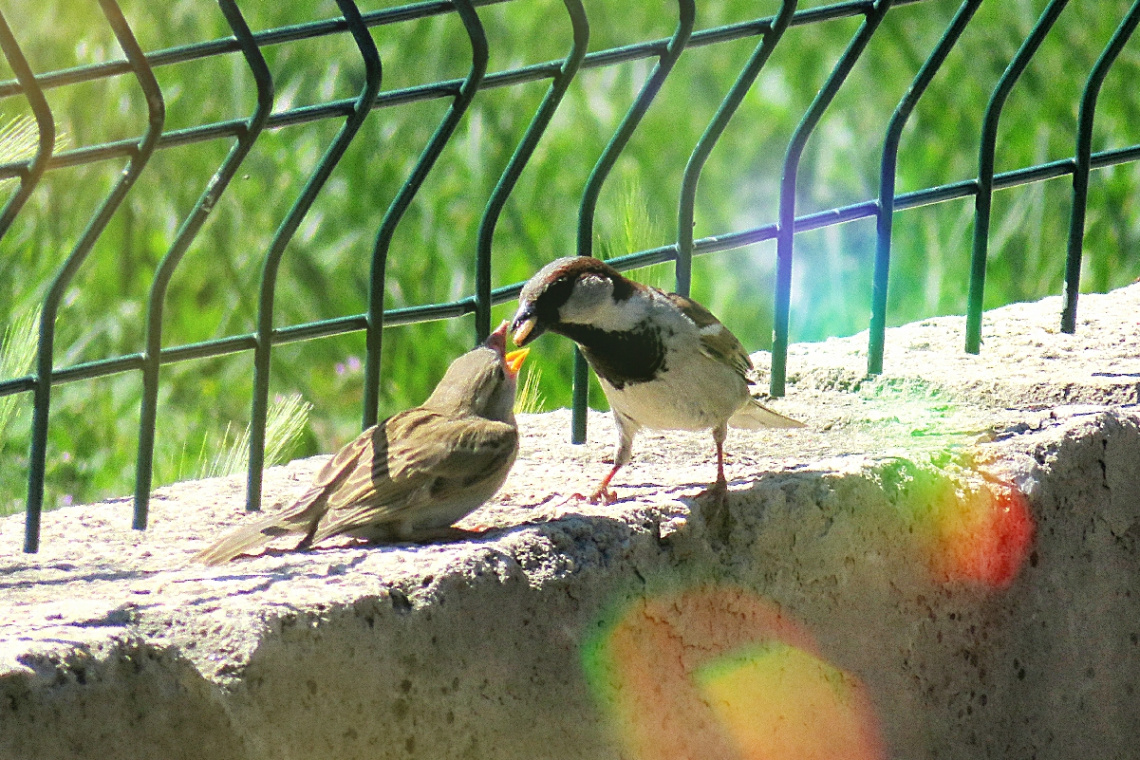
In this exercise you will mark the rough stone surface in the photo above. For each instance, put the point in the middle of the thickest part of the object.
(954, 540)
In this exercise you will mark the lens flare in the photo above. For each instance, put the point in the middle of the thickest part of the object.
(972, 527)
(986, 539)
(720, 672)
(779, 702)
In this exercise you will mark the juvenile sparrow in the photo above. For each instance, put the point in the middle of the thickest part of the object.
(414, 474)
(664, 361)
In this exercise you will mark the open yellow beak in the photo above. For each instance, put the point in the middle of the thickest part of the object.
(515, 359)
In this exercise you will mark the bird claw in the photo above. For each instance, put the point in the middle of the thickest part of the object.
(603, 495)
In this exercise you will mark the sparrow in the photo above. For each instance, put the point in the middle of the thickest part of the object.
(411, 476)
(663, 360)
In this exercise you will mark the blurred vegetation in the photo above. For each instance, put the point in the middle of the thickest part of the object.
(325, 268)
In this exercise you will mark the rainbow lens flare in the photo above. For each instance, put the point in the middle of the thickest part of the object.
(777, 701)
(720, 672)
(972, 527)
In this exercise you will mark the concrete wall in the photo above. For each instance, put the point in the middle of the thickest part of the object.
(943, 565)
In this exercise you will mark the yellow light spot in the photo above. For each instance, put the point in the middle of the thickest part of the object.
(778, 702)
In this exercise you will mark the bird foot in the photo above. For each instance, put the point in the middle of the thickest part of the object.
(603, 495)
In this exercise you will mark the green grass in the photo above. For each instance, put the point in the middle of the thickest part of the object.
(285, 423)
(17, 353)
(529, 399)
(93, 435)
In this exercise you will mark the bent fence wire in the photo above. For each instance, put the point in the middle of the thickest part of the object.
(560, 73)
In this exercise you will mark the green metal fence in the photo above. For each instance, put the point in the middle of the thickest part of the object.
(768, 32)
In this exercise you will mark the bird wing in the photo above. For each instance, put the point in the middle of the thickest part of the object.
(460, 448)
(717, 341)
(414, 454)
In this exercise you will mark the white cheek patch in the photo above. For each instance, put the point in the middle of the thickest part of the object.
(586, 298)
(592, 302)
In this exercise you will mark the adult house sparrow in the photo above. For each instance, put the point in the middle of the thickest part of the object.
(414, 474)
(664, 361)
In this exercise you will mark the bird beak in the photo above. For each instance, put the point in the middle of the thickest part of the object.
(498, 339)
(514, 360)
(525, 328)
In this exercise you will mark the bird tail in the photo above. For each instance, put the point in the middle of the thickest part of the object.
(244, 539)
(297, 518)
(754, 415)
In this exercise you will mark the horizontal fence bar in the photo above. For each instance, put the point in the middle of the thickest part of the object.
(408, 315)
(344, 107)
(328, 27)
(460, 91)
(212, 48)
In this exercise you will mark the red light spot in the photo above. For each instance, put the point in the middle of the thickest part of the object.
(985, 538)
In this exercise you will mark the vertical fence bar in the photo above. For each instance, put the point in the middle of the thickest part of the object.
(629, 123)
(135, 152)
(156, 113)
(374, 335)
(983, 201)
(517, 163)
(687, 16)
(363, 106)
(215, 187)
(44, 123)
(579, 398)
(785, 233)
(688, 201)
(886, 212)
(1083, 157)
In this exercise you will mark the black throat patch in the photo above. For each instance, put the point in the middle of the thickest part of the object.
(620, 358)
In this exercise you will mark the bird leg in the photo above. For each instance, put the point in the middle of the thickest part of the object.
(306, 542)
(718, 490)
(717, 518)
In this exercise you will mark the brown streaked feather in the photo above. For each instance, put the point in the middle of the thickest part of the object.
(346, 457)
(415, 467)
(371, 481)
(717, 341)
(474, 445)
(252, 536)
(371, 512)
(701, 316)
(351, 472)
